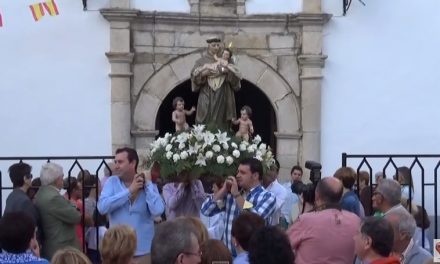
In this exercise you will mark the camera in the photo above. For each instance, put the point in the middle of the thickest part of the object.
(315, 171)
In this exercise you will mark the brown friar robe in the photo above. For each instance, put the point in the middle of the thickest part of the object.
(216, 103)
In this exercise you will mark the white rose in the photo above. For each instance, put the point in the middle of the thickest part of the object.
(216, 148)
(250, 149)
(209, 154)
(169, 154)
(184, 155)
(181, 145)
(229, 160)
(234, 145)
(168, 147)
(225, 146)
(220, 159)
(269, 153)
(176, 157)
(262, 146)
(236, 153)
(242, 147)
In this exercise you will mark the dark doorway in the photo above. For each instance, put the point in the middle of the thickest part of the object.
(263, 117)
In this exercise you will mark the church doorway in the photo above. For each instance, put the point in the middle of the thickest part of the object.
(263, 116)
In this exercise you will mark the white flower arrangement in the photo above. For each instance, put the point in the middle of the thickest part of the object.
(203, 152)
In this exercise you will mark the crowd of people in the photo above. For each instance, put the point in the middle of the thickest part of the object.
(128, 218)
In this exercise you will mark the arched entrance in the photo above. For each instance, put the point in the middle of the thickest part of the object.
(275, 103)
(263, 118)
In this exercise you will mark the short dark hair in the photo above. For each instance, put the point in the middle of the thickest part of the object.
(276, 166)
(254, 165)
(248, 110)
(296, 167)
(381, 233)
(176, 100)
(17, 171)
(131, 155)
(270, 245)
(364, 176)
(70, 183)
(230, 54)
(244, 226)
(327, 194)
(307, 190)
(347, 176)
(16, 231)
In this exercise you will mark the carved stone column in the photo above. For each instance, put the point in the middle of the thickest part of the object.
(311, 61)
(120, 59)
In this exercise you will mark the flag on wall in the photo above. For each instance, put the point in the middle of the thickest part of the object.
(1, 20)
(37, 11)
(51, 7)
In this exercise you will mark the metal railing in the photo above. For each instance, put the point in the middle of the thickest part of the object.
(424, 169)
(79, 164)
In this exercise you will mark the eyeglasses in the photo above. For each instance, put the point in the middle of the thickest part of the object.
(198, 254)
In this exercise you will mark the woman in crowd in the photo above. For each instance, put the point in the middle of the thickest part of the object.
(404, 177)
(119, 245)
(215, 250)
(18, 241)
(70, 255)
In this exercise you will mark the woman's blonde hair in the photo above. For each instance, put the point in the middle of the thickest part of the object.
(70, 255)
(118, 245)
(199, 228)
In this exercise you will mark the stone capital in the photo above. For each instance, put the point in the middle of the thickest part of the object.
(120, 57)
(145, 133)
(296, 136)
(311, 60)
(312, 18)
(119, 14)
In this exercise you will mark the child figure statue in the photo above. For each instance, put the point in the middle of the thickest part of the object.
(179, 114)
(245, 129)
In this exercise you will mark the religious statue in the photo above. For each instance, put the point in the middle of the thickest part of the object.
(216, 79)
(245, 128)
(179, 114)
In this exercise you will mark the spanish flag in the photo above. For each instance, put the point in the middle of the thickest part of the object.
(51, 7)
(37, 11)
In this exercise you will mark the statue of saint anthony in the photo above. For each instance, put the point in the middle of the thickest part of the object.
(216, 79)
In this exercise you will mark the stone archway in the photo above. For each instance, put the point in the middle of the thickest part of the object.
(281, 96)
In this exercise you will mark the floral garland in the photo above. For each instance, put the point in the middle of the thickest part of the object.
(203, 152)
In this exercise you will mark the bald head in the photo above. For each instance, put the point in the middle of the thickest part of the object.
(329, 190)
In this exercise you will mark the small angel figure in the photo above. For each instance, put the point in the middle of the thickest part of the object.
(245, 129)
(179, 114)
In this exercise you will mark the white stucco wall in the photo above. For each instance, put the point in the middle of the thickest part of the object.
(381, 85)
(273, 6)
(161, 5)
(252, 6)
(54, 84)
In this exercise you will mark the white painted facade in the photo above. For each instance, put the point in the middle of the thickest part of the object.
(379, 91)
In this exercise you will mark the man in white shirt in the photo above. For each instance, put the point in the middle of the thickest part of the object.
(292, 199)
(271, 184)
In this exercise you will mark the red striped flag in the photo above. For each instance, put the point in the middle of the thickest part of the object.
(51, 7)
(37, 11)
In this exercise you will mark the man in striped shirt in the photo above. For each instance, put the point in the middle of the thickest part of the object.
(252, 197)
